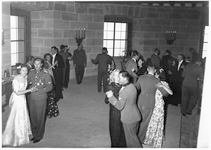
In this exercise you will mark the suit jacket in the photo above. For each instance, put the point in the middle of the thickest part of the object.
(146, 100)
(103, 60)
(79, 58)
(155, 60)
(177, 74)
(127, 104)
(132, 68)
(60, 61)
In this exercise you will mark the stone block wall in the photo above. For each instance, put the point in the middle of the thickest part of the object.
(149, 24)
(6, 59)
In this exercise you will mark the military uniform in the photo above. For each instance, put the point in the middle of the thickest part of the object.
(37, 101)
(103, 60)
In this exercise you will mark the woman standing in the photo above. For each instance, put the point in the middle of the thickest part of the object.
(155, 129)
(52, 107)
(115, 125)
(18, 129)
(130, 115)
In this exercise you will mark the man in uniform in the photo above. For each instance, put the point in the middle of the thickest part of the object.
(79, 62)
(103, 60)
(37, 100)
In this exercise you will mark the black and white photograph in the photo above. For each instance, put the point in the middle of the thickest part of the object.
(105, 74)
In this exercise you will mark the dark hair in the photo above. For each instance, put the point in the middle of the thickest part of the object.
(183, 56)
(54, 47)
(125, 74)
(168, 51)
(62, 47)
(29, 58)
(134, 53)
(39, 59)
(104, 50)
(157, 50)
(48, 54)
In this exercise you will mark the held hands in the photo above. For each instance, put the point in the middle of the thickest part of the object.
(109, 94)
(33, 89)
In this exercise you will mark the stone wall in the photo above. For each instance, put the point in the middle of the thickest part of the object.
(149, 23)
(6, 59)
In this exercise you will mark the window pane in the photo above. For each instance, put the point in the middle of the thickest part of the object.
(14, 47)
(20, 57)
(20, 22)
(110, 35)
(110, 26)
(110, 51)
(117, 44)
(13, 21)
(117, 35)
(124, 27)
(14, 34)
(119, 52)
(21, 46)
(123, 35)
(13, 59)
(20, 34)
(17, 34)
(123, 44)
(109, 44)
(118, 26)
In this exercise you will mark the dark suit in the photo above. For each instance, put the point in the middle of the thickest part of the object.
(58, 75)
(190, 87)
(155, 59)
(132, 68)
(80, 62)
(146, 101)
(177, 80)
(37, 101)
(103, 60)
(130, 115)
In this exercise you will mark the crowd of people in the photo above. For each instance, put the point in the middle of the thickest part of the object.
(137, 95)
(37, 90)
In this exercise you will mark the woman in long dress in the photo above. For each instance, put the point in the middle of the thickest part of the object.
(18, 130)
(52, 107)
(154, 134)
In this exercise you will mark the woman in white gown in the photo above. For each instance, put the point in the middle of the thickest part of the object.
(18, 130)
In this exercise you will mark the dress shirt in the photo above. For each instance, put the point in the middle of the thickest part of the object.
(179, 64)
(54, 55)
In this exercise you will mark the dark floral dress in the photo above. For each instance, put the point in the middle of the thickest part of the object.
(52, 107)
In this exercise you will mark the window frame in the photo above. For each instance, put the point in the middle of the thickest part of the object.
(120, 19)
(27, 30)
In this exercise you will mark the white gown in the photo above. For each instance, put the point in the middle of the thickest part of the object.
(18, 128)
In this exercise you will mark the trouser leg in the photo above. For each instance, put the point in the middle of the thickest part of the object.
(185, 97)
(99, 81)
(131, 135)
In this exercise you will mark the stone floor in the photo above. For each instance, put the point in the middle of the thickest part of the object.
(83, 120)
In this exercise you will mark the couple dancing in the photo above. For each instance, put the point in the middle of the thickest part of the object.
(20, 128)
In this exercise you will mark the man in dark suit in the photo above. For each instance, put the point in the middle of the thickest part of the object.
(79, 62)
(178, 79)
(146, 99)
(103, 60)
(132, 67)
(155, 58)
(58, 65)
(193, 76)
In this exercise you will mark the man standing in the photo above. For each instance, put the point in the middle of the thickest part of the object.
(79, 62)
(66, 70)
(131, 65)
(193, 75)
(37, 100)
(177, 79)
(155, 58)
(103, 60)
(146, 99)
(58, 65)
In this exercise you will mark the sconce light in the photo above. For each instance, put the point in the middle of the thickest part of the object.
(80, 35)
(170, 36)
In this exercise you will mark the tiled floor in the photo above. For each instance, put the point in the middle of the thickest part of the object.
(83, 120)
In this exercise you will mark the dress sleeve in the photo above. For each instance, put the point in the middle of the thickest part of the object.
(15, 85)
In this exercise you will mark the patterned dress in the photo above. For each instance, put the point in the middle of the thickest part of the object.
(154, 134)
